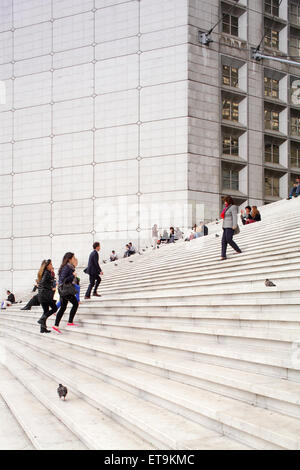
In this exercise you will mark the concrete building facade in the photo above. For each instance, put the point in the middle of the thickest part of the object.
(113, 117)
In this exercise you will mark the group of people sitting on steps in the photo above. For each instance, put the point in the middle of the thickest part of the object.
(129, 251)
(68, 283)
(250, 215)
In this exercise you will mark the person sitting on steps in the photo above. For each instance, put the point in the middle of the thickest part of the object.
(246, 215)
(295, 191)
(9, 301)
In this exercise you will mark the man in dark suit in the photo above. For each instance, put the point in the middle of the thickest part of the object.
(94, 271)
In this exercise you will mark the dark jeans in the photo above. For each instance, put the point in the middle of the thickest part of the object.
(63, 305)
(227, 240)
(33, 302)
(94, 281)
(47, 313)
(293, 192)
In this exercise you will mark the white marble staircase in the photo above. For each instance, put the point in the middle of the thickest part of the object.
(182, 351)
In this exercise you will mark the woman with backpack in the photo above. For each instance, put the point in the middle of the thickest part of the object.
(46, 291)
(67, 290)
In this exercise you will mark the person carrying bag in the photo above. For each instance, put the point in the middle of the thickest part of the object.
(67, 290)
(230, 226)
(46, 291)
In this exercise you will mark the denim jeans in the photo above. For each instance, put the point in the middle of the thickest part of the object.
(228, 240)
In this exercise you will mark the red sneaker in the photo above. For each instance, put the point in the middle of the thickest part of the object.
(72, 324)
(55, 328)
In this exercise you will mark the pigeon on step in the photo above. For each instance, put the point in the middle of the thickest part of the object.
(62, 391)
(269, 283)
(217, 236)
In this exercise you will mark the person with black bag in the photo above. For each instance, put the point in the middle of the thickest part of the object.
(67, 290)
(45, 293)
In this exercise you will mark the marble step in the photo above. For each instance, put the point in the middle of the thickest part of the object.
(164, 428)
(249, 359)
(178, 401)
(182, 263)
(262, 234)
(278, 321)
(275, 394)
(283, 340)
(282, 277)
(275, 298)
(12, 436)
(40, 426)
(93, 428)
(283, 257)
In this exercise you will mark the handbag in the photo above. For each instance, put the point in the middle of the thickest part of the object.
(66, 290)
(237, 230)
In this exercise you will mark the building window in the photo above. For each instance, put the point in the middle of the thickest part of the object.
(272, 184)
(295, 155)
(230, 145)
(230, 76)
(295, 125)
(271, 38)
(271, 120)
(295, 13)
(295, 91)
(271, 152)
(230, 177)
(230, 24)
(294, 46)
(271, 87)
(230, 109)
(272, 7)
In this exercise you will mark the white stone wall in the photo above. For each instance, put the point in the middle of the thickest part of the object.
(93, 127)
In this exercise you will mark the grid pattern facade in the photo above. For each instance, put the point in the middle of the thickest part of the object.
(114, 117)
(93, 127)
(244, 115)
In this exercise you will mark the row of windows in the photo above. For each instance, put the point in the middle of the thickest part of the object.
(230, 25)
(230, 78)
(231, 147)
(230, 180)
(230, 112)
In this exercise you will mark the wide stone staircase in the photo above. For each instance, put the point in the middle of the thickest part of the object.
(182, 351)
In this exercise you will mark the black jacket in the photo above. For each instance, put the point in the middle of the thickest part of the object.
(45, 287)
(93, 268)
(66, 275)
(11, 298)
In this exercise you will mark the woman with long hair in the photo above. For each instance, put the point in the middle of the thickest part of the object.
(255, 214)
(230, 225)
(67, 290)
(46, 292)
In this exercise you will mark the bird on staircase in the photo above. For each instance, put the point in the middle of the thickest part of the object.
(62, 391)
(269, 283)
